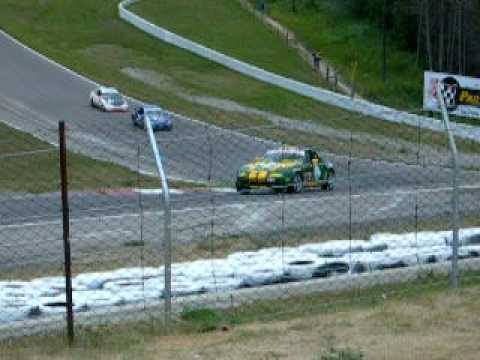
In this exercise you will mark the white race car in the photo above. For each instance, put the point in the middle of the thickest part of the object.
(108, 99)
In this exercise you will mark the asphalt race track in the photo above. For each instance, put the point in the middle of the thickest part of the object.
(35, 94)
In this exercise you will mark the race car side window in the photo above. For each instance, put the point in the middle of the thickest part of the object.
(308, 156)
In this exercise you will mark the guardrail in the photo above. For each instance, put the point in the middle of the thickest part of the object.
(325, 96)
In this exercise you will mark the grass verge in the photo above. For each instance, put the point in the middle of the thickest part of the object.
(354, 46)
(233, 27)
(31, 165)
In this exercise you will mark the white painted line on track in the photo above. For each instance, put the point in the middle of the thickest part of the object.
(96, 234)
(224, 190)
(157, 191)
(210, 208)
(374, 194)
(424, 190)
(393, 204)
(40, 223)
(122, 216)
(238, 205)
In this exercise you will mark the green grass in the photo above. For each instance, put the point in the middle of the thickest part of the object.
(202, 320)
(233, 27)
(309, 305)
(31, 165)
(192, 19)
(342, 354)
(354, 47)
(99, 45)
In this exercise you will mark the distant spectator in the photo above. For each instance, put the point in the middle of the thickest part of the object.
(261, 5)
(316, 60)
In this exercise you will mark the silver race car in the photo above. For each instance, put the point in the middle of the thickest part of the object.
(108, 99)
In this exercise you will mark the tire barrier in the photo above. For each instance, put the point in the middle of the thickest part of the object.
(39, 298)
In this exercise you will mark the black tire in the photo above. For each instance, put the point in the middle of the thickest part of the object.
(330, 184)
(332, 181)
(297, 186)
(91, 103)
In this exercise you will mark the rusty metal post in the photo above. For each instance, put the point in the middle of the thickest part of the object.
(66, 230)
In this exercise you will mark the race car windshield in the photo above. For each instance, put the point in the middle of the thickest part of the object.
(114, 99)
(283, 155)
(154, 114)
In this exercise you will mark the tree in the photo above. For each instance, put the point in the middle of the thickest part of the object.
(441, 32)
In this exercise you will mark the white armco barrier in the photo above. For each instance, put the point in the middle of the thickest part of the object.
(327, 97)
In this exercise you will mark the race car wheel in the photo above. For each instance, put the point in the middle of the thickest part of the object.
(330, 184)
(297, 185)
(91, 103)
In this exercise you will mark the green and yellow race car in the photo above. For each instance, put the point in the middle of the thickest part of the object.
(288, 169)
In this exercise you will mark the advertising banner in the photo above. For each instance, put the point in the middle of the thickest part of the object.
(461, 93)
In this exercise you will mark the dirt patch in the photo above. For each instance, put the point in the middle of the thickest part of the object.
(152, 78)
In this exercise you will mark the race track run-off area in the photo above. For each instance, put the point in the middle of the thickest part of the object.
(371, 196)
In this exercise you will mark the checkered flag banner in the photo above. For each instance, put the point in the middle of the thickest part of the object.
(449, 88)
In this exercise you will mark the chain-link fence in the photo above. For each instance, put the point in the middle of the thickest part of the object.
(259, 213)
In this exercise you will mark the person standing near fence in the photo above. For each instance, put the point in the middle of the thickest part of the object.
(261, 5)
(316, 60)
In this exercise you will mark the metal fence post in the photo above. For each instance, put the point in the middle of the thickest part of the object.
(167, 242)
(454, 276)
(66, 230)
(417, 185)
(141, 222)
(349, 178)
(211, 193)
